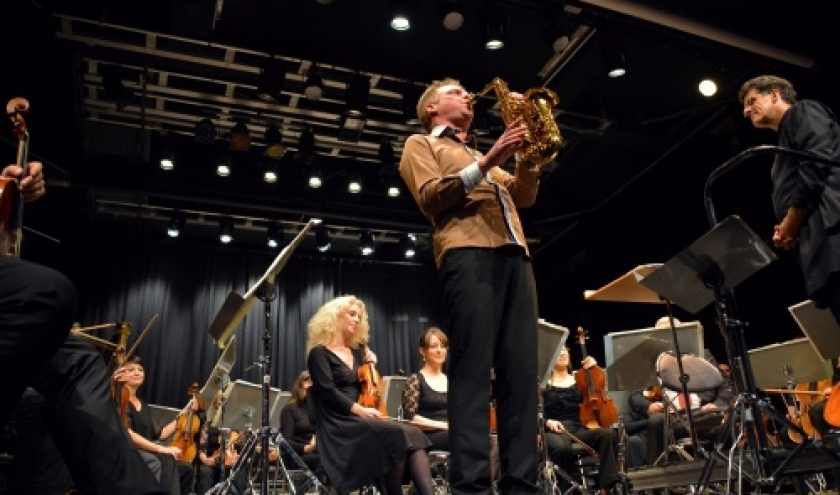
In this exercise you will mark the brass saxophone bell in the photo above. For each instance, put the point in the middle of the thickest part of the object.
(543, 140)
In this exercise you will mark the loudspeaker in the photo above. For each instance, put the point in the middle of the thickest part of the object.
(393, 392)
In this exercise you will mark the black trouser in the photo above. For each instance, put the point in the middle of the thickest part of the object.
(490, 313)
(37, 306)
(603, 440)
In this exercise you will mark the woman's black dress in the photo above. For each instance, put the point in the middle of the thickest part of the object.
(354, 451)
(174, 476)
(420, 398)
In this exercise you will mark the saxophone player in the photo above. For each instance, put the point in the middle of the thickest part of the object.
(484, 267)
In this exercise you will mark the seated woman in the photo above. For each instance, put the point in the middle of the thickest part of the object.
(211, 455)
(424, 397)
(357, 444)
(561, 409)
(298, 428)
(145, 431)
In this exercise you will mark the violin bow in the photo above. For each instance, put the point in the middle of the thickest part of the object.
(140, 339)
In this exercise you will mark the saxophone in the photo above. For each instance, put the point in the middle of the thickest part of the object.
(543, 139)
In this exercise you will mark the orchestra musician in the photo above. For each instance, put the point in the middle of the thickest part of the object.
(37, 309)
(817, 415)
(425, 394)
(561, 409)
(145, 431)
(343, 427)
(210, 459)
(297, 426)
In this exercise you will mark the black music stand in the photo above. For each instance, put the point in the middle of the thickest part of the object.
(233, 311)
(706, 272)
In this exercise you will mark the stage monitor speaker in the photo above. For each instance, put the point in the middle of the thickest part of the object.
(394, 386)
(631, 355)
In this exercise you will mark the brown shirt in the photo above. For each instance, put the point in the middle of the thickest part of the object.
(431, 167)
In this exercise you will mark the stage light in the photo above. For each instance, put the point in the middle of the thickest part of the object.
(274, 235)
(314, 86)
(408, 245)
(223, 167)
(354, 184)
(366, 243)
(393, 187)
(226, 230)
(401, 11)
(270, 172)
(451, 13)
(322, 238)
(356, 96)
(314, 179)
(708, 87)
(493, 25)
(176, 224)
(615, 58)
(272, 77)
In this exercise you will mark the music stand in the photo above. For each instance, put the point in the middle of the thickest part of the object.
(551, 339)
(632, 355)
(794, 361)
(708, 271)
(820, 326)
(242, 411)
(219, 378)
(277, 408)
(235, 307)
(231, 314)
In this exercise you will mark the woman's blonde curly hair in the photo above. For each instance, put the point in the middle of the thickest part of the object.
(324, 323)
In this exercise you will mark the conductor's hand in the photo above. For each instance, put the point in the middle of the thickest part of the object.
(504, 147)
(31, 184)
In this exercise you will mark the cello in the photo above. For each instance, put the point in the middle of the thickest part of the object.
(597, 409)
(371, 394)
(188, 424)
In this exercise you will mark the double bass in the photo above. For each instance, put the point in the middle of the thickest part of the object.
(371, 394)
(597, 409)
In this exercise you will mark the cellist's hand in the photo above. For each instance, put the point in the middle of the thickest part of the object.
(589, 362)
(827, 392)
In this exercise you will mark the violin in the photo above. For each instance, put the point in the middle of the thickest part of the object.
(597, 409)
(188, 424)
(11, 197)
(371, 395)
(230, 451)
(653, 393)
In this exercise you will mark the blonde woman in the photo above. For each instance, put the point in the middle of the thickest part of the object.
(357, 445)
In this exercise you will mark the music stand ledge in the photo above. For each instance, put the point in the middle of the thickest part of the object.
(627, 288)
(235, 307)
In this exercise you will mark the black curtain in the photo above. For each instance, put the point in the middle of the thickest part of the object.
(186, 286)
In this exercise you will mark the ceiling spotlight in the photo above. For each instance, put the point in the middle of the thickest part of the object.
(393, 187)
(451, 13)
(226, 229)
(314, 178)
(270, 172)
(614, 58)
(316, 220)
(401, 11)
(223, 167)
(408, 245)
(167, 155)
(322, 238)
(356, 97)
(386, 152)
(354, 185)
(271, 81)
(240, 138)
(274, 142)
(410, 97)
(314, 86)
(708, 87)
(176, 224)
(493, 25)
(558, 36)
(273, 235)
(366, 243)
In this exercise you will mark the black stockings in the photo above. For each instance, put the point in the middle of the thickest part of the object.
(418, 466)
